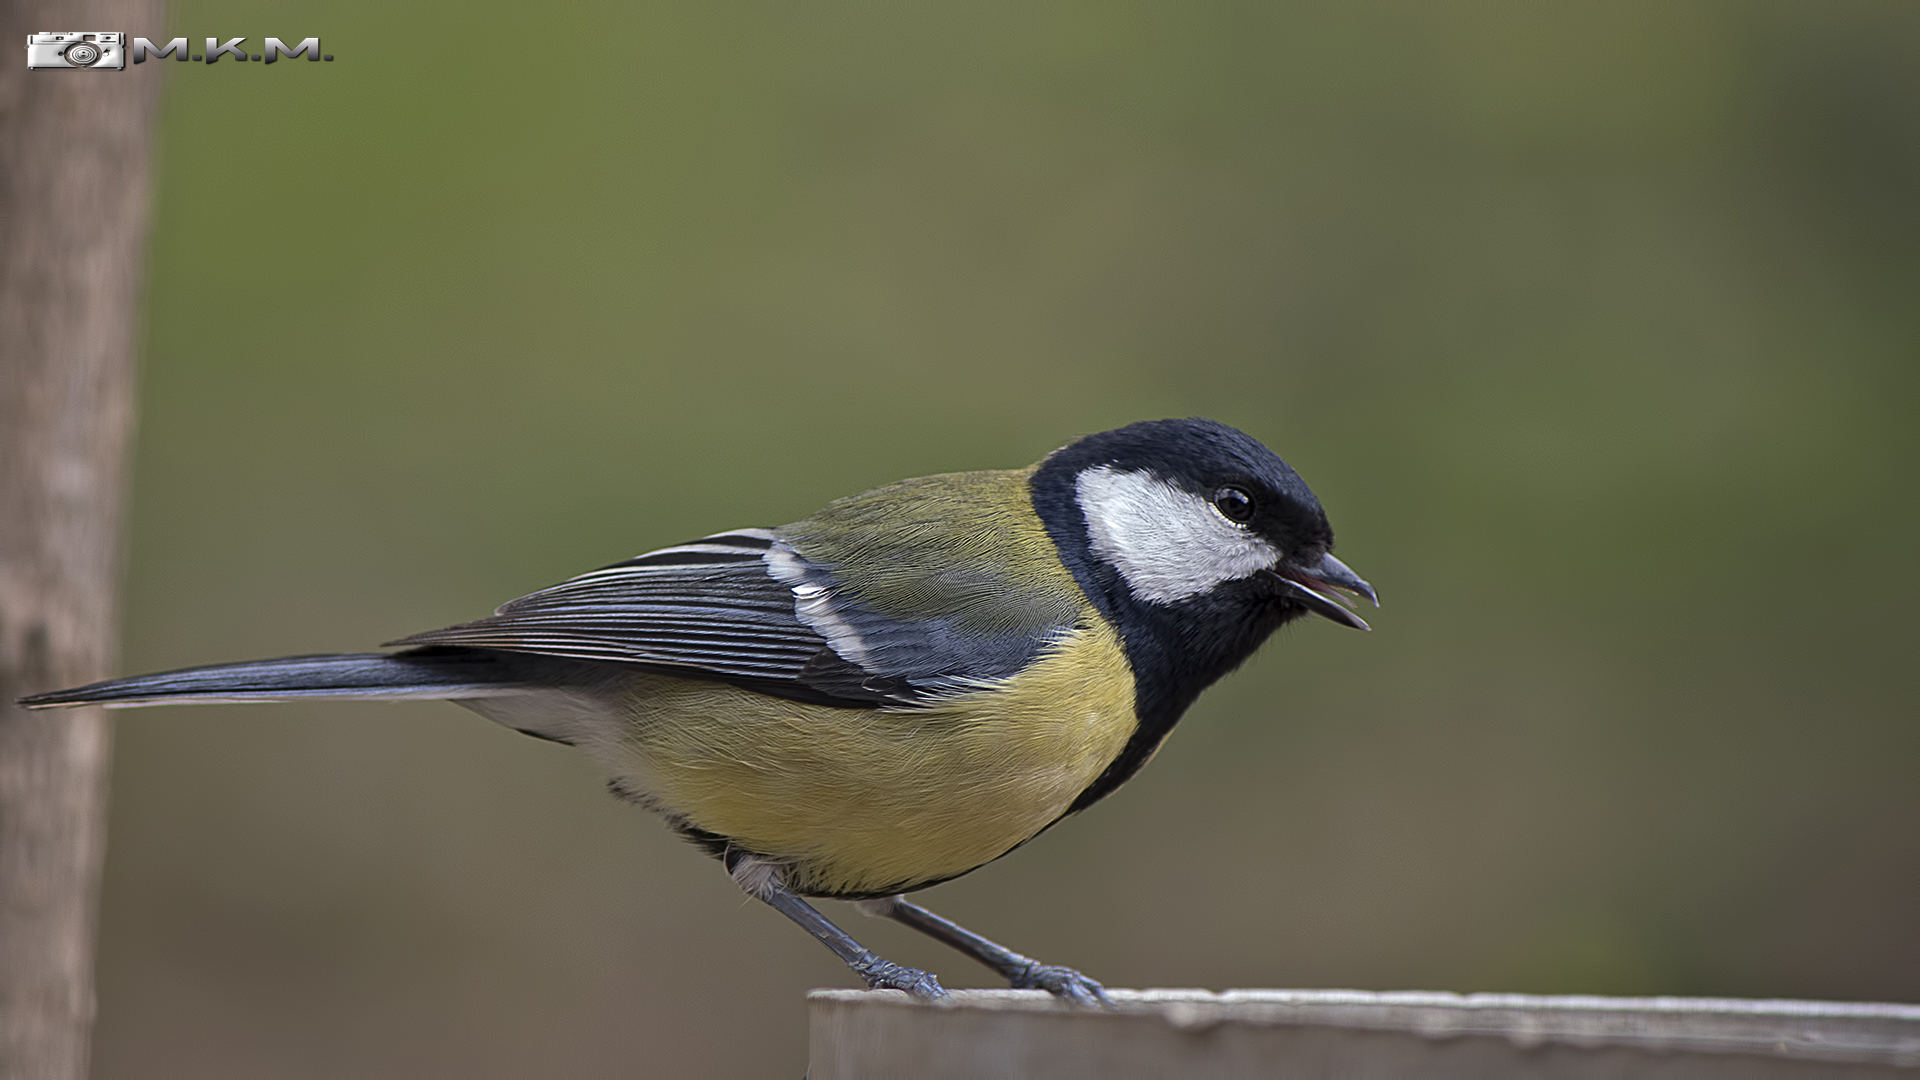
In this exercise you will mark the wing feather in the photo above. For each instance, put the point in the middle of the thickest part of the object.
(709, 607)
(851, 608)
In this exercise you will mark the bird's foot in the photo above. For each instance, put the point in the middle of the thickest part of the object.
(887, 975)
(1062, 982)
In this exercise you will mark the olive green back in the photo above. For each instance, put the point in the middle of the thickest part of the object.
(966, 547)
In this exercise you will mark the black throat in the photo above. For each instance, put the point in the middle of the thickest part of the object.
(1175, 650)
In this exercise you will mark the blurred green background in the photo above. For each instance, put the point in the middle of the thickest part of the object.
(1595, 327)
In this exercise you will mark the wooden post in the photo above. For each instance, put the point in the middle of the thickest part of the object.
(1355, 1035)
(74, 153)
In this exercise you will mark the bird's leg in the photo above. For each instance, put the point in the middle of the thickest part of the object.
(1022, 972)
(762, 880)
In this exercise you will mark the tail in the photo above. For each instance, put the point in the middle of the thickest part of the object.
(419, 673)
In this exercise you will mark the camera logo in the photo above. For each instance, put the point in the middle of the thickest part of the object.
(100, 49)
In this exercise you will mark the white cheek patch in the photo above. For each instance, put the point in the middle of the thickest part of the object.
(1167, 543)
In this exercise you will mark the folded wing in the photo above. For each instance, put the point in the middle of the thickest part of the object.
(942, 592)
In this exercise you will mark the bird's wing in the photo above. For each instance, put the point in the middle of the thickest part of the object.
(709, 608)
(917, 589)
(745, 607)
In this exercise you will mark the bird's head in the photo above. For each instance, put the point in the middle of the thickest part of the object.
(1193, 516)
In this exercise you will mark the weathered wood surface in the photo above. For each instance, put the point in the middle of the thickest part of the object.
(74, 151)
(1354, 1035)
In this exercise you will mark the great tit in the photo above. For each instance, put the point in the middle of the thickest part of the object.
(905, 686)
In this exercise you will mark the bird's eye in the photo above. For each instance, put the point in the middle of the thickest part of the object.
(1237, 505)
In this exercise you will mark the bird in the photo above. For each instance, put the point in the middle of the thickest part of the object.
(895, 691)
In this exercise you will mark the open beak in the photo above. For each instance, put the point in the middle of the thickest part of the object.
(1327, 589)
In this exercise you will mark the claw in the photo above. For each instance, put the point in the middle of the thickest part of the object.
(1063, 982)
(919, 985)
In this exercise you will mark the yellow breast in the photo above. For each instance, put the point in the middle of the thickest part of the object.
(866, 801)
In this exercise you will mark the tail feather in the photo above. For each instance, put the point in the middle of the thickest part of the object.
(422, 673)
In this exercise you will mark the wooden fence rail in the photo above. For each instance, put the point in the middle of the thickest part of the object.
(1355, 1035)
